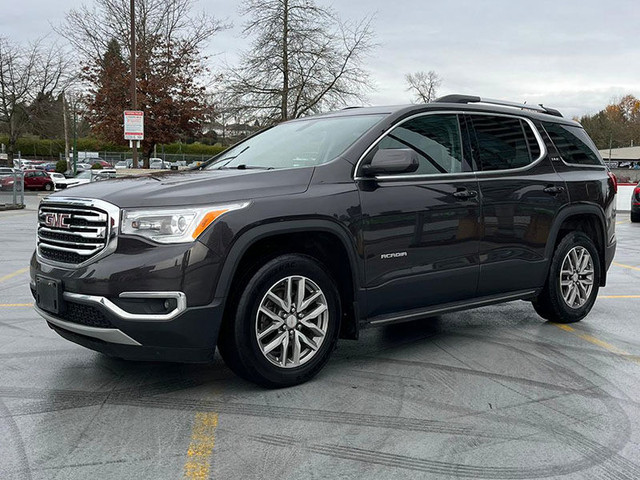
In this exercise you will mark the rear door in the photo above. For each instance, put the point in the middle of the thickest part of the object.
(420, 231)
(39, 179)
(30, 180)
(521, 195)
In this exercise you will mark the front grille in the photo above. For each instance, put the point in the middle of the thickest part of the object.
(71, 234)
(84, 315)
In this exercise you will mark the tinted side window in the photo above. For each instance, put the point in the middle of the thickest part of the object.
(573, 144)
(534, 146)
(502, 142)
(436, 139)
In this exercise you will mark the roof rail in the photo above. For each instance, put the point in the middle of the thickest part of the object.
(475, 99)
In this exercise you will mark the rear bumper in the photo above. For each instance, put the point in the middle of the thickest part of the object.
(609, 253)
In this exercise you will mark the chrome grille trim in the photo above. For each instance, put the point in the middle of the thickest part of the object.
(92, 233)
(74, 250)
(98, 234)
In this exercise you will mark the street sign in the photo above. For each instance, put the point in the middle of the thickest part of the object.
(133, 125)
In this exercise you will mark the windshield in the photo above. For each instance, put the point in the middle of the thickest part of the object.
(302, 143)
(86, 174)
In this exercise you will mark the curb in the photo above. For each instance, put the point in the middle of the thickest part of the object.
(4, 207)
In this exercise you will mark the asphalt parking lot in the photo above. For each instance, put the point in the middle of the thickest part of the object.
(493, 393)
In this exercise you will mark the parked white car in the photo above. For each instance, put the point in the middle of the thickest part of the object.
(89, 176)
(158, 163)
(61, 182)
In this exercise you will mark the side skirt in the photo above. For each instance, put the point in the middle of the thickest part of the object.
(409, 315)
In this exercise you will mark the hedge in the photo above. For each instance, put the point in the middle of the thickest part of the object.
(38, 147)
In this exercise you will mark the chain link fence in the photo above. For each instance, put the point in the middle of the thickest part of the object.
(12, 190)
(115, 157)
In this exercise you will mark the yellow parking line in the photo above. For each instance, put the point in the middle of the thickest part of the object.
(618, 296)
(625, 221)
(16, 304)
(625, 266)
(201, 446)
(11, 275)
(600, 343)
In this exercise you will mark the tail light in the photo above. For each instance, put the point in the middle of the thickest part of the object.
(614, 181)
(636, 195)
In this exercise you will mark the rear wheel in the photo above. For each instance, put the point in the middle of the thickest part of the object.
(573, 281)
(286, 323)
(635, 217)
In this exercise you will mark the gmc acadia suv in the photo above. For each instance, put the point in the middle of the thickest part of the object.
(318, 227)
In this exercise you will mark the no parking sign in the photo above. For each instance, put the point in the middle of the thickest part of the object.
(133, 125)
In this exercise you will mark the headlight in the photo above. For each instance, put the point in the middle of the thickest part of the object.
(173, 224)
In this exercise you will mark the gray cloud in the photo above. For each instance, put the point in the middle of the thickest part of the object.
(575, 55)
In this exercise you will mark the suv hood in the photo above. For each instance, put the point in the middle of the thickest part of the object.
(194, 188)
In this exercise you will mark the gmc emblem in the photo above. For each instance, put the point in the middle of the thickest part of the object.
(57, 220)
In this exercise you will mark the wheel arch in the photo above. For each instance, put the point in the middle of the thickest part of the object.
(589, 219)
(262, 242)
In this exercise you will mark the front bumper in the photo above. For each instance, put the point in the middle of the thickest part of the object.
(114, 305)
(183, 335)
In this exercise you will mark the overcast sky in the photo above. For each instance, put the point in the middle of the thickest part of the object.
(575, 55)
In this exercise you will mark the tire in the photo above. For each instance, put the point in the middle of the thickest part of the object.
(551, 304)
(635, 217)
(256, 359)
(48, 187)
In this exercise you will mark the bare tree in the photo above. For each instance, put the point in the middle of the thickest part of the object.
(29, 77)
(423, 85)
(158, 23)
(170, 65)
(303, 60)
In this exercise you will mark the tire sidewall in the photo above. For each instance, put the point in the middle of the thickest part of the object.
(277, 269)
(569, 242)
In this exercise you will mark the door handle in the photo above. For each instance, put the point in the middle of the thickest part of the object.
(552, 190)
(465, 194)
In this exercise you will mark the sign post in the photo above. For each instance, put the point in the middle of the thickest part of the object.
(134, 128)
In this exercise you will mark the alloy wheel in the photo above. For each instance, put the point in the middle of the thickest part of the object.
(292, 321)
(576, 277)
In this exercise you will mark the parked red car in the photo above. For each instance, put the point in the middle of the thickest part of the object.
(101, 162)
(34, 179)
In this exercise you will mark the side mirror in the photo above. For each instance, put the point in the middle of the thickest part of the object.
(390, 161)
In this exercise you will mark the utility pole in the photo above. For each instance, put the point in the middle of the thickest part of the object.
(65, 123)
(134, 94)
(75, 139)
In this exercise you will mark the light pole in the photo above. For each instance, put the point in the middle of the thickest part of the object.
(134, 96)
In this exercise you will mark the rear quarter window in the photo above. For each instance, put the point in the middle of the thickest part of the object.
(573, 144)
(504, 142)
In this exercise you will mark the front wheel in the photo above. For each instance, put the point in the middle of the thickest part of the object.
(635, 217)
(48, 187)
(573, 281)
(285, 325)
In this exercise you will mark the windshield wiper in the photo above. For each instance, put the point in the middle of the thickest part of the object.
(229, 159)
(242, 166)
